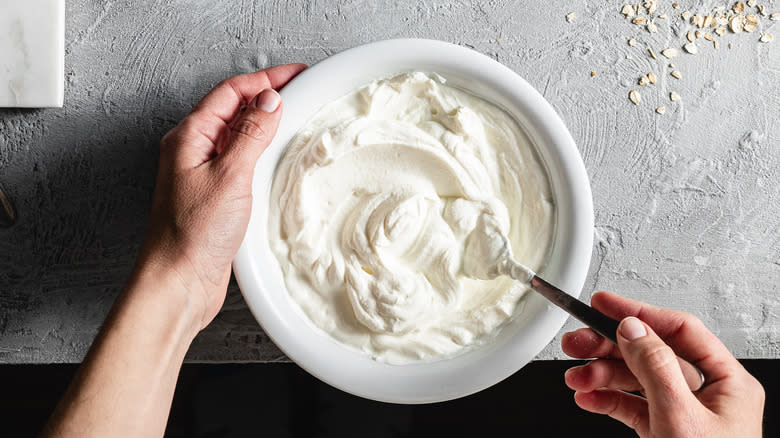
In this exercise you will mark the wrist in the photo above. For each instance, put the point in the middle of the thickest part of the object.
(168, 295)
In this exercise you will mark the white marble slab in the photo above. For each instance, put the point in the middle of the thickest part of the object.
(32, 47)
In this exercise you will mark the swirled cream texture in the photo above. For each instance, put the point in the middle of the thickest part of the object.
(374, 200)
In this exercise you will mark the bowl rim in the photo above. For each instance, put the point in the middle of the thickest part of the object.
(476, 368)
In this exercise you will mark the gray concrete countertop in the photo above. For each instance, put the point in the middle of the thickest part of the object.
(687, 211)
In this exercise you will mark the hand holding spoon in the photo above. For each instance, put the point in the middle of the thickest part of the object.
(488, 255)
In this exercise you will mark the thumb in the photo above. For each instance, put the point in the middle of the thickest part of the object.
(655, 366)
(252, 132)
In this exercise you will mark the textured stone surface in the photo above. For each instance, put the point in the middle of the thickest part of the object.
(687, 211)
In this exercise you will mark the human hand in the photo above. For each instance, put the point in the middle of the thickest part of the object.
(203, 195)
(730, 404)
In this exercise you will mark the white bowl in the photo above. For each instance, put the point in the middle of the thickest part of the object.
(534, 324)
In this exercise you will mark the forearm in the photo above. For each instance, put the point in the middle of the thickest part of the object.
(200, 211)
(126, 383)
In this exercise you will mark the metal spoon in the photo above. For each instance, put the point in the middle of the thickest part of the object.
(488, 255)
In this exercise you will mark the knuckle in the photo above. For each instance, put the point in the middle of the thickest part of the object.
(225, 83)
(621, 410)
(657, 357)
(614, 406)
(633, 420)
(603, 371)
(178, 133)
(691, 320)
(755, 388)
(250, 128)
(189, 123)
(169, 138)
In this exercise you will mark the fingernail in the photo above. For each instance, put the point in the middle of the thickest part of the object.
(581, 370)
(632, 328)
(268, 100)
(572, 372)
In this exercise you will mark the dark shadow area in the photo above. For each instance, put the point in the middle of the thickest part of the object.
(81, 188)
(281, 400)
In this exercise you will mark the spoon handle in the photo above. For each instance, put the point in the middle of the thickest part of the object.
(599, 322)
(604, 325)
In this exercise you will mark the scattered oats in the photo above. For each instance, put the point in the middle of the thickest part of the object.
(644, 80)
(698, 20)
(708, 36)
(691, 48)
(670, 52)
(639, 21)
(676, 5)
(775, 16)
(632, 42)
(660, 110)
(685, 15)
(736, 24)
(671, 65)
(628, 11)
(629, 57)
(674, 97)
(652, 54)
(761, 10)
(634, 97)
(750, 28)
(752, 3)
(716, 45)
(663, 17)
(766, 37)
(651, 27)
(731, 45)
(698, 34)
(751, 19)
(720, 31)
(676, 74)
(593, 73)
(738, 8)
(723, 20)
(691, 36)
(709, 21)
(651, 77)
(651, 6)
(571, 16)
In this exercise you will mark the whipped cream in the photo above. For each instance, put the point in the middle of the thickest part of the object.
(374, 201)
